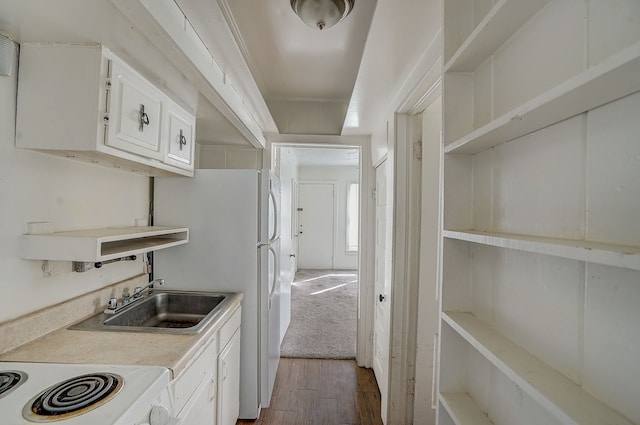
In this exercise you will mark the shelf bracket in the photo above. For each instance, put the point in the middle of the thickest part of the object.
(83, 266)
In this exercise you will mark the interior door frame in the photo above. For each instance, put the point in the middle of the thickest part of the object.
(421, 89)
(405, 267)
(366, 291)
(295, 244)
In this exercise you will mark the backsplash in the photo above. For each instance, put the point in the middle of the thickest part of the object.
(27, 328)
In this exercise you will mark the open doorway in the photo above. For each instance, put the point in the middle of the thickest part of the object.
(321, 214)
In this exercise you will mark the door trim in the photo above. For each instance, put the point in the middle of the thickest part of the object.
(366, 292)
(405, 267)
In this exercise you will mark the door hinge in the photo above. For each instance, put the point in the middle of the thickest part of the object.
(371, 337)
(417, 150)
(412, 386)
(373, 193)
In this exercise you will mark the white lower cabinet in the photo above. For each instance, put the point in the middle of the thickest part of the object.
(207, 391)
(193, 387)
(229, 382)
(201, 408)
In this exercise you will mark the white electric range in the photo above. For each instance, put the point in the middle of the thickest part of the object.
(79, 394)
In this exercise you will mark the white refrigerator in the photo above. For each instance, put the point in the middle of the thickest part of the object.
(234, 246)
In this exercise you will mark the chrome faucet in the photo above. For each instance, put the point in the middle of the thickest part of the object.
(127, 298)
(137, 292)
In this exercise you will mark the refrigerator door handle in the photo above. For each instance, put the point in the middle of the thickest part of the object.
(276, 214)
(274, 284)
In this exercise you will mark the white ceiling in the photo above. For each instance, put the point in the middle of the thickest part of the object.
(361, 67)
(292, 61)
(347, 76)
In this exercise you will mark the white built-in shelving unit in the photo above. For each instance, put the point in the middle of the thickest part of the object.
(541, 242)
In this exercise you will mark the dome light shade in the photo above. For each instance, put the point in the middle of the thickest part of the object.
(322, 14)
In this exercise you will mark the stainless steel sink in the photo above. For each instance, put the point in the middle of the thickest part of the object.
(162, 311)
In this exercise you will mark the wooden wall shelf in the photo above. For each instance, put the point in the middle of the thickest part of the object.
(622, 256)
(559, 395)
(596, 86)
(95, 245)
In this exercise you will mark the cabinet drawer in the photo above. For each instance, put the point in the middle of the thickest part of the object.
(230, 328)
(188, 381)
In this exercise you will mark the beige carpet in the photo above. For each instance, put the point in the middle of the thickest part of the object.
(323, 315)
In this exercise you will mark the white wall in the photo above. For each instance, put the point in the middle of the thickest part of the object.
(223, 157)
(380, 142)
(341, 176)
(72, 195)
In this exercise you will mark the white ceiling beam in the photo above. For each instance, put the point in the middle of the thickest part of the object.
(164, 24)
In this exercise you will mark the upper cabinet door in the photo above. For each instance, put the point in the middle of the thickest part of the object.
(135, 113)
(181, 133)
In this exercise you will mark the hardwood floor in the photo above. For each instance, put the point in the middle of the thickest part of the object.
(322, 392)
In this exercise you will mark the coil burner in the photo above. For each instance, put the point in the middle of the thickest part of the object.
(73, 397)
(10, 380)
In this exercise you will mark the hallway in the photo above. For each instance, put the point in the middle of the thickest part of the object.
(322, 392)
(324, 306)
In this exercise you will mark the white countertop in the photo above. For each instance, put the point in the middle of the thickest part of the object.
(119, 348)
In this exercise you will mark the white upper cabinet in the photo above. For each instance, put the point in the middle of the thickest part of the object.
(135, 113)
(180, 143)
(85, 103)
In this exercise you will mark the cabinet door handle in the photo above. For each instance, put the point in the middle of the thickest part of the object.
(143, 118)
(183, 140)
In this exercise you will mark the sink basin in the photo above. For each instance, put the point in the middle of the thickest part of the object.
(164, 311)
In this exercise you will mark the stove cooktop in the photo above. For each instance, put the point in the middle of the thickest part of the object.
(10, 380)
(74, 394)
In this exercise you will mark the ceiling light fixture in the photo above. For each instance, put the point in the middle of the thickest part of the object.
(322, 14)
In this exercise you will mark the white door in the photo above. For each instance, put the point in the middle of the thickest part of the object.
(315, 225)
(382, 314)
